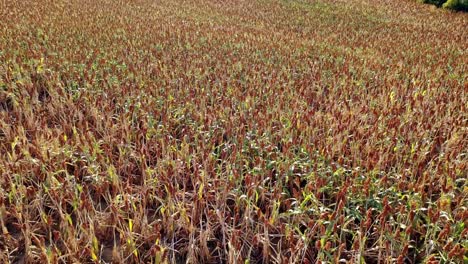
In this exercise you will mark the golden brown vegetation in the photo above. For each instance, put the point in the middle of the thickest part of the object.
(208, 131)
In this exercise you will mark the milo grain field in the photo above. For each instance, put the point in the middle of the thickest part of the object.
(233, 131)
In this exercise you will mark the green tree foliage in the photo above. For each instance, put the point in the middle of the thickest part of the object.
(457, 5)
(461, 5)
(438, 3)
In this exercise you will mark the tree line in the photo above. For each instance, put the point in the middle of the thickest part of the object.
(460, 5)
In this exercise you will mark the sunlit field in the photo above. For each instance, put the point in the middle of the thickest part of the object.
(240, 131)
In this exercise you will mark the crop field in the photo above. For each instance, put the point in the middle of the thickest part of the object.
(233, 131)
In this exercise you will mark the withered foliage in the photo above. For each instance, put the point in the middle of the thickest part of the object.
(241, 131)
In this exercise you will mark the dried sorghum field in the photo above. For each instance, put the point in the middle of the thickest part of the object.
(235, 131)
